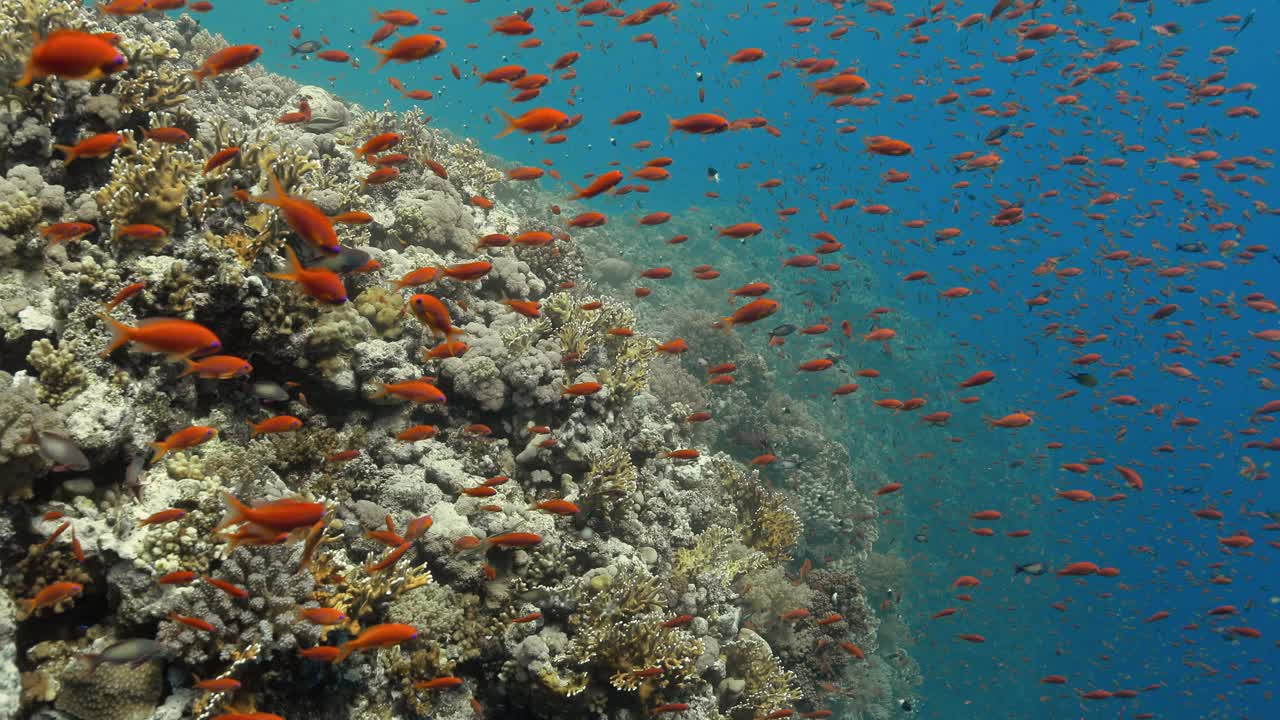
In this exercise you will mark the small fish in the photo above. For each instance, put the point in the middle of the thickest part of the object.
(49, 596)
(183, 439)
(225, 61)
(1033, 568)
(377, 636)
(132, 651)
(306, 47)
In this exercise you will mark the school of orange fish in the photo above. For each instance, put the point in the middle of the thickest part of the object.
(1083, 57)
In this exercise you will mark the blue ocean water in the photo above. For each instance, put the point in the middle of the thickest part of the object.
(1097, 636)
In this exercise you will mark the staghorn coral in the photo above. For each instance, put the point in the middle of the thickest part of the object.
(152, 82)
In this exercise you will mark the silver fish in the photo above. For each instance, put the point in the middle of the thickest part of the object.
(130, 651)
(61, 451)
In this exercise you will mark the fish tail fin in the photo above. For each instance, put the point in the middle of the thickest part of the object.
(511, 123)
(160, 449)
(199, 74)
(191, 368)
(122, 334)
(237, 512)
(253, 429)
(727, 322)
(275, 192)
(295, 266)
(70, 153)
(374, 13)
(29, 73)
(386, 56)
(343, 651)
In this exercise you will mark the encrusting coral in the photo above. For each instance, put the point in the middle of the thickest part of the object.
(515, 499)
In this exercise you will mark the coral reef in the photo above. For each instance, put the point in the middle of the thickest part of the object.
(533, 522)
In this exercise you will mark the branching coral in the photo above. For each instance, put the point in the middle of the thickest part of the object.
(719, 553)
(618, 632)
(765, 522)
(611, 479)
(756, 684)
(152, 81)
(148, 186)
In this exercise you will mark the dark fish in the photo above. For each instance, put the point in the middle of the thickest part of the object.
(1084, 379)
(712, 175)
(1034, 568)
(346, 260)
(132, 651)
(782, 331)
(306, 47)
(998, 132)
(1192, 247)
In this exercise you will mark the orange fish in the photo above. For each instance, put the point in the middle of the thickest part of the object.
(226, 60)
(277, 424)
(582, 388)
(217, 367)
(97, 146)
(66, 231)
(282, 515)
(187, 437)
(417, 391)
(72, 55)
(758, 309)
(434, 314)
(378, 636)
(49, 596)
(320, 283)
(538, 120)
(307, 220)
(409, 49)
(441, 683)
(698, 124)
(164, 516)
(557, 506)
